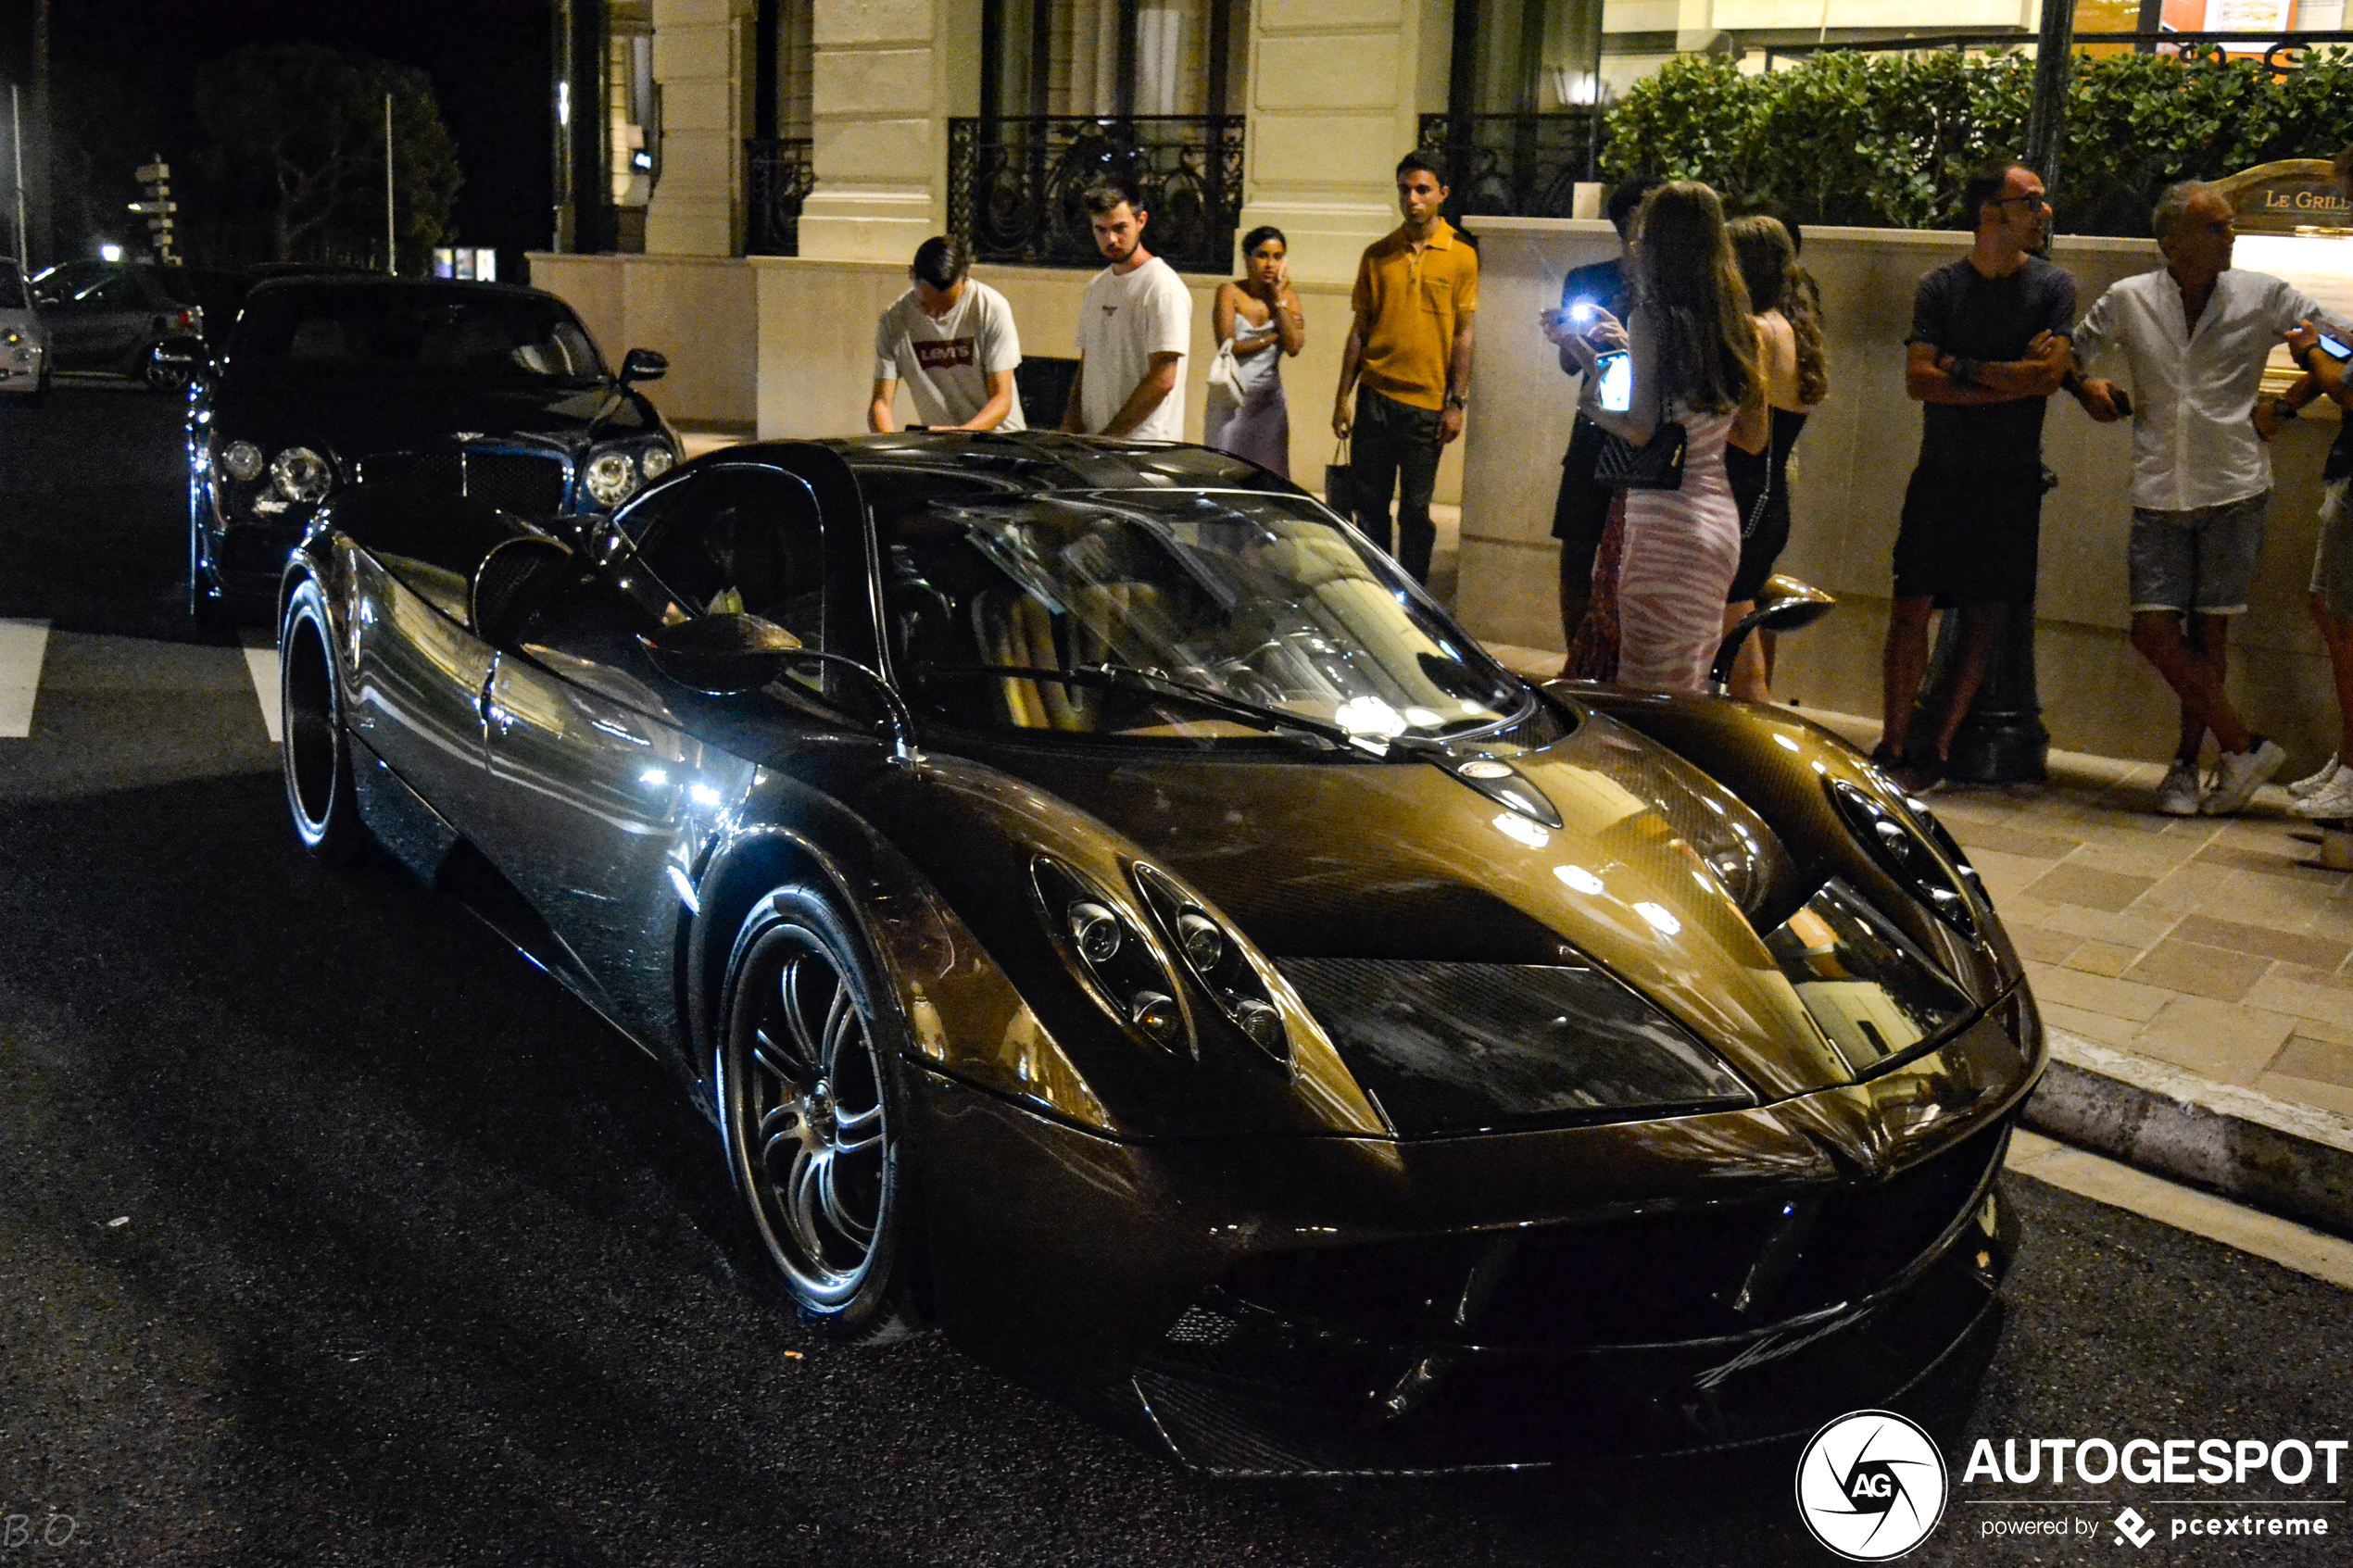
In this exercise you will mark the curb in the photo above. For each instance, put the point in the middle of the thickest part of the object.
(2293, 1161)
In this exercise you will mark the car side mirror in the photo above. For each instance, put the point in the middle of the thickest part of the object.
(1784, 604)
(516, 581)
(721, 655)
(730, 655)
(643, 364)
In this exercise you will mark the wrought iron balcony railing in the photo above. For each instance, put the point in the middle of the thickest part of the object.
(1514, 165)
(778, 177)
(1015, 185)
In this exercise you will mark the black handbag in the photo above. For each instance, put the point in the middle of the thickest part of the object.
(1657, 464)
(1340, 484)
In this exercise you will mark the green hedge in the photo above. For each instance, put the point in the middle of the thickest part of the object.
(1885, 140)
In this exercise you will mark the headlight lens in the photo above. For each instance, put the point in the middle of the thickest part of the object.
(1873, 992)
(301, 474)
(611, 478)
(240, 460)
(1902, 849)
(1111, 955)
(1461, 1048)
(658, 460)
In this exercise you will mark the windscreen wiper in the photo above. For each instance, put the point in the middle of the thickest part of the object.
(1127, 676)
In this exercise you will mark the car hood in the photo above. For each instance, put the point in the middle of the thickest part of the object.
(358, 418)
(25, 321)
(1403, 860)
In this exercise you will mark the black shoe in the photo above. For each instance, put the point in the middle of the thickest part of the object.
(1917, 776)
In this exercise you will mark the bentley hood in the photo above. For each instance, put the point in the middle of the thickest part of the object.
(357, 416)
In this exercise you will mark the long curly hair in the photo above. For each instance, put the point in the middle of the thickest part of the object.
(1767, 258)
(1691, 290)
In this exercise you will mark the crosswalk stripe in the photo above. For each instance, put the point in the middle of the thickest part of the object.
(261, 664)
(23, 645)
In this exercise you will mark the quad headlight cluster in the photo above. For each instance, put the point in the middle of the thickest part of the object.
(1937, 874)
(297, 473)
(611, 477)
(1131, 977)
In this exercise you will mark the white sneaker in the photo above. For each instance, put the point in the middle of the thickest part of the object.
(2178, 795)
(2330, 802)
(2239, 774)
(2330, 772)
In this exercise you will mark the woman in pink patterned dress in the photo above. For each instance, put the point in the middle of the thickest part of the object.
(1696, 364)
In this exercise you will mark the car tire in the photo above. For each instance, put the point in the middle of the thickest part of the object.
(811, 1114)
(316, 753)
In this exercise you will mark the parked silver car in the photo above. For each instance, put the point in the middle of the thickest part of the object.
(24, 342)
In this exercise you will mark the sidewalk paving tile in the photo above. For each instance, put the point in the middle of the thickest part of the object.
(2220, 1040)
(2134, 928)
(2268, 861)
(2094, 992)
(2070, 883)
(2313, 952)
(2199, 969)
(1981, 838)
(2094, 1027)
(2151, 857)
(2095, 957)
(2005, 876)
(2323, 1061)
(2052, 946)
(2329, 1004)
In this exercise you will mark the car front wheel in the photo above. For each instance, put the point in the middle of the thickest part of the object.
(164, 373)
(316, 753)
(810, 1113)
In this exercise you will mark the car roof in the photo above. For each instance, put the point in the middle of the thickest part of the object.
(307, 283)
(915, 465)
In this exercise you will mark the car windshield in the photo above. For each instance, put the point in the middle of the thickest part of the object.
(1175, 615)
(443, 330)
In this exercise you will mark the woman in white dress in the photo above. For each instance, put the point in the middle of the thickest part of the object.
(1259, 316)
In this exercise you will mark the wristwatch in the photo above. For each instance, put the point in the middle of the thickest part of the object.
(1457, 400)
(2284, 409)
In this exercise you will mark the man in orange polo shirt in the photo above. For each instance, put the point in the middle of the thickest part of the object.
(1408, 361)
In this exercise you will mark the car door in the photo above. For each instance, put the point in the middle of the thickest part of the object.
(419, 672)
(76, 302)
(605, 796)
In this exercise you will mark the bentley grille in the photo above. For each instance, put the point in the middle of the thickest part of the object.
(523, 483)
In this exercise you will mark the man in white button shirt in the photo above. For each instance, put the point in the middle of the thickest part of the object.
(2196, 335)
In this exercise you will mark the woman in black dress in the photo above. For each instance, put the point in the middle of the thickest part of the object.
(1790, 334)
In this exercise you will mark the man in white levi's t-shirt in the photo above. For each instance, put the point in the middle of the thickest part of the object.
(951, 339)
(1135, 326)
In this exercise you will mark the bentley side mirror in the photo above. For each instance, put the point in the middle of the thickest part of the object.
(643, 364)
(515, 581)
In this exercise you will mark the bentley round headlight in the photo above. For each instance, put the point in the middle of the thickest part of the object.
(658, 460)
(301, 474)
(611, 478)
(240, 460)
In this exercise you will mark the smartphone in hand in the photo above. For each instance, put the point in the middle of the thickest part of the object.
(1615, 394)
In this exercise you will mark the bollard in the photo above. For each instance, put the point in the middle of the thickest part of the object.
(2002, 740)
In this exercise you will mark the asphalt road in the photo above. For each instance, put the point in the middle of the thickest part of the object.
(330, 1232)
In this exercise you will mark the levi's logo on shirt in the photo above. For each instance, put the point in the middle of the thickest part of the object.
(944, 356)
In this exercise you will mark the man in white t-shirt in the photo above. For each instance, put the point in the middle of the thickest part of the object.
(950, 338)
(1135, 326)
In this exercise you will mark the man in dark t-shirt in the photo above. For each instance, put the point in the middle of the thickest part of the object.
(1988, 345)
(1581, 510)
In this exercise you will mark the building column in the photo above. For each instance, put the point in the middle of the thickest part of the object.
(703, 77)
(888, 76)
(1336, 91)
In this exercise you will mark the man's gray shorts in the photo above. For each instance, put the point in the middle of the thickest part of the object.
(2332, 562)
(2197, 562)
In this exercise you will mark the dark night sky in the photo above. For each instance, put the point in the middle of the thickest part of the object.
(488, 60)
